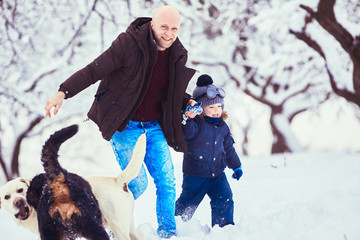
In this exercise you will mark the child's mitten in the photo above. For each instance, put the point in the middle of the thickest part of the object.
(238, 172)
(197, 109)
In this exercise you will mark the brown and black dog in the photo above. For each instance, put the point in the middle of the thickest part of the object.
(65, 204)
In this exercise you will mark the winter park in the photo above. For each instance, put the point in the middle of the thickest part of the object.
(291, 73)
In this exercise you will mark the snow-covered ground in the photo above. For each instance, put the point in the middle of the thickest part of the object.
(309, 196)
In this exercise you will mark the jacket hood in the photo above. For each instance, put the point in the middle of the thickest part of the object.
(140, 30)
(139, 25)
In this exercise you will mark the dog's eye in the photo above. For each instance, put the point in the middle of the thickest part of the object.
(7, 197)
(20, 190)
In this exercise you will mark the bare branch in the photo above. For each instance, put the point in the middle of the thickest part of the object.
(352, 97)
(326, 18)
(16, 152)
(81, 26)
(3, 165)
(38, 79)
(222, 64)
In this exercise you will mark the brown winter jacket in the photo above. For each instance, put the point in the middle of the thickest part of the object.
(125, 69)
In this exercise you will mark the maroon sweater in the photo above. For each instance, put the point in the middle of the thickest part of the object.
(150, 107)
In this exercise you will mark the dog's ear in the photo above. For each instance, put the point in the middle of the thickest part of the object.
(26, 181)
(35, 189)
(32, 197)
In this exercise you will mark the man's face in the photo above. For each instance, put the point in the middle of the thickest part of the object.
(165, 27)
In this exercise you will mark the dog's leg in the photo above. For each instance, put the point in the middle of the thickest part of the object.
(121, 234)
(49, 232)
(133, 235)
(120, 226)
(94, 231)
(120, 217)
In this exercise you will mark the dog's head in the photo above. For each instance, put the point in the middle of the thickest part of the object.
(13, 198)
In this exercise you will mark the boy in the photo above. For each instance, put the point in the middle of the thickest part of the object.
(210, 150)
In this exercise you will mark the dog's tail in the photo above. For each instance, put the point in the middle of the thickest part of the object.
(134, 166)
(49, 155)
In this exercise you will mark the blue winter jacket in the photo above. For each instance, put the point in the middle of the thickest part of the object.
(210, 148)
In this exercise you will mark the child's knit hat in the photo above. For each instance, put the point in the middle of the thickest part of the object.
(207, 93)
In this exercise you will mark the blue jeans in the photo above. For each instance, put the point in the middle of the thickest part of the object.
(159, 164)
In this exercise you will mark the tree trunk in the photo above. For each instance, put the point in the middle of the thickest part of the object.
(279, 144)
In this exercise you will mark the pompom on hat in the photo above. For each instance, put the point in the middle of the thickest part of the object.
(207, 93)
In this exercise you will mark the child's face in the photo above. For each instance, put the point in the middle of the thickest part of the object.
(214, 110)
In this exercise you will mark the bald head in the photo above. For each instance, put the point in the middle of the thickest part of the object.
(164, 11)
(165, 25)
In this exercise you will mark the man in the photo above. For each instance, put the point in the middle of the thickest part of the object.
(142, 90)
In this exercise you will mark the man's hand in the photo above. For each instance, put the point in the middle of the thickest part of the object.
(56, 102)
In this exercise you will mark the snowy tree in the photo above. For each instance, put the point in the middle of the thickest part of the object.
(42, 43)
(343, 50)
(258, 53)
(251, 48)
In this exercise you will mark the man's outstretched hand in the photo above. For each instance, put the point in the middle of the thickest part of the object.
(56, 102)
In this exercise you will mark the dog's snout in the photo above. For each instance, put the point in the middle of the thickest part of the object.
(18, 202)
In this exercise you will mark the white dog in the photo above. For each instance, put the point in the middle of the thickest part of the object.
(13, 200)
(116, 202)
